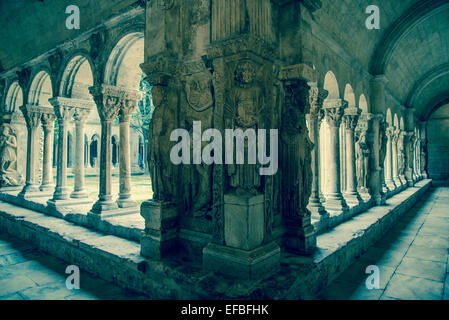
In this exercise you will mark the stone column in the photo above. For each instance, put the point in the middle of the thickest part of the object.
(401, 158)
(79, 190)
(334, 110)
(64, 112)
(394, 155)
(48, 125)
(388, 169)
(127, 107)
(408, 144)
(107, 99)
(32, 116)
(316, 98)
(350, 119)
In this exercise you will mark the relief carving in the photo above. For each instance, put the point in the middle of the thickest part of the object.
(8, 158)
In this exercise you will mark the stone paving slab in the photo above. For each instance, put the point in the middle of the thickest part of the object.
(37, 276)
(412, 258)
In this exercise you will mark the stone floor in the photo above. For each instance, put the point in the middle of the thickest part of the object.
(27, 274)
(412, 258)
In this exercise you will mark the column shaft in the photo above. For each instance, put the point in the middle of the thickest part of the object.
(389, 162)
(79, 190)
(334, 199)
(61, 190)
(124, 199)
(47, 174)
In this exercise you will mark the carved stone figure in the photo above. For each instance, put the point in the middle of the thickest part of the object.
(382, 143)
(244, 109)
(423, 156)
(8, 157)
(159, 146)
(401, 154)
(362, 153)
(296, 151)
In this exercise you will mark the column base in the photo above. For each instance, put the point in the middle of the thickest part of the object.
(256, 264)
(126, 203)
(79, 194)
(318, 212)
(105, 209)
(33, 191)
(316, 208)
(61, 193)
(160, 235)
(403, 180)
(64, 206)
(298, 239)
(353, 198)
(47, 188)
(336, 204)
(397, 182)
(390, 185)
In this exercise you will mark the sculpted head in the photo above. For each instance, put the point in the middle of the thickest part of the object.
(244, 72)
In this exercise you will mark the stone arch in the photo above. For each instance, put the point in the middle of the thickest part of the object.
(349, 96)
(122, 67)
(41, 89)
(331, 85)
(396, 121)
(77, 77)
(14, 97)
(363, 103)
(389, 117)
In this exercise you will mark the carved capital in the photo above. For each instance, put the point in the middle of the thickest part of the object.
(81, 114)
(128, 104)
(334, 111)
(108, 99)
(316, 99)
(351, 118)
(64, 108)
(389, 132)
(32, 115)
(48, 121)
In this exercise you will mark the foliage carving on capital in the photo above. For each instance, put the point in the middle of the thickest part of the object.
(32, 116)
(316, 99)
(128, 104)
(48, 121)
(81, 114)
(108, 100)
(351, 118)
(334, 115)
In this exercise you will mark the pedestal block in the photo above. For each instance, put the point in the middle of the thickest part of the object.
(160, 232)
(244, 254)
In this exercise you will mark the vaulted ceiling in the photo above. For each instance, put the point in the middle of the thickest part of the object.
(32, 27)
(411, 48)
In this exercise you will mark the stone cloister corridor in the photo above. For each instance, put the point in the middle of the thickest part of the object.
(225, 149)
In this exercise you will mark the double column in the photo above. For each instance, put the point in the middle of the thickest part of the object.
(113, 102)
(80, 115)
(316, 115)
(32, 115)
(64, 111)
(351, 117)
(334, 111)
(396, 179)
(48, 125)
(127, 106)
(389, 160)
